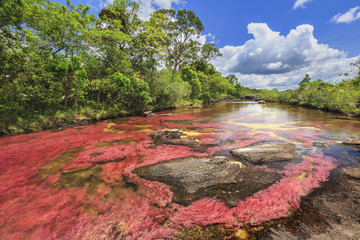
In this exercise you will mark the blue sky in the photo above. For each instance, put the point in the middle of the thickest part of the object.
(274, 43)
(228, 20)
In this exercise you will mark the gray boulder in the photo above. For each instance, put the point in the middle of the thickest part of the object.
(191, 179)
(266, 152)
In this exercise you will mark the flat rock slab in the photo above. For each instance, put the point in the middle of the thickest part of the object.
(173, 137)
(267, 152)
(353, 172)
(166, 134)
(353, 142)
(191, 179)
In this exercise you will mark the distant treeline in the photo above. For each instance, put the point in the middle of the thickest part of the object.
(343, 97)
(61, 64)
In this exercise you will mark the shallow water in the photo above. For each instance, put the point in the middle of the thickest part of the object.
(78, 183)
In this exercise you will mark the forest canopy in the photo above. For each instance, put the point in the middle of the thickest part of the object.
(59, 63)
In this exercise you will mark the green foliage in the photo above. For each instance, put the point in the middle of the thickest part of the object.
(61, 64)
(169, 91)
(70, 76)
(181, 29)
(342, 97)
(306, 79)
(190, 77)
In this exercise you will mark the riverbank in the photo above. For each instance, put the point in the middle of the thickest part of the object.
(65, 119)
(71, 118)
(342, 97)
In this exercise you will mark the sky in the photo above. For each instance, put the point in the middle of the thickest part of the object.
(273, 44)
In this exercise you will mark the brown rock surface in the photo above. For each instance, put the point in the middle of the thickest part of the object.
(172, 136)
(265, 152)
(194, 178)
(353, 172)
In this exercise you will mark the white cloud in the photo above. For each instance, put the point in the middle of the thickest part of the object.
(300, 3)
(207, 38)
(348, 17)
(272, 60)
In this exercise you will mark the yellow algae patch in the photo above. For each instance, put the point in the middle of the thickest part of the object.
(55, 166)
(194, 133)
(118, 130)
(272, 134)
(304, 174)
(127, 141)
(110, 128)
(241, 165)
(142, 128)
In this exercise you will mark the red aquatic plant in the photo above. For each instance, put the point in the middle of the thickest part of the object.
(271, 203)
(88, 158)
(33, 206)
(203, 212)
(306, 137)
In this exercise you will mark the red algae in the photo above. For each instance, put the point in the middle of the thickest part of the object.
(271, 203)
(305, 137)
(203, 212)
(33, 206)
(89, 157)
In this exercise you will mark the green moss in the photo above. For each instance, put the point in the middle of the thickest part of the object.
(55, 166)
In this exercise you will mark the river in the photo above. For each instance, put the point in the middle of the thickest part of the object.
(78, 182)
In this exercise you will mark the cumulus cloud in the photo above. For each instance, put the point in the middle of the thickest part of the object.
(300, 3)
(273, 60)
(348, 17)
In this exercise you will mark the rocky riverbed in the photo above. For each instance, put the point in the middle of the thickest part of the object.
(228, 171)
(331, 212)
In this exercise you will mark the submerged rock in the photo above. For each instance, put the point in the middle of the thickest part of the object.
(172, 136)
(194, 178)
(265, 152)
(322, 145)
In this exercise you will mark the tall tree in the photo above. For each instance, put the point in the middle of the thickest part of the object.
(182, 28)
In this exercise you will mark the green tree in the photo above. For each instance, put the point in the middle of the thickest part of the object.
(306, 79)
(233, 79)
(71, 76)
(190, 76)
(182, 28)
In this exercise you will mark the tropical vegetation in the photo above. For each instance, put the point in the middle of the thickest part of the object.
(60, 64)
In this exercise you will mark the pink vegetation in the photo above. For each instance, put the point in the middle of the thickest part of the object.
(32, 207)
(306, 137)
(89, 157)
(271, 203)
(203, 212)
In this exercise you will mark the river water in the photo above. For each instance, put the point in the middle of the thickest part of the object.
(77, 183)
